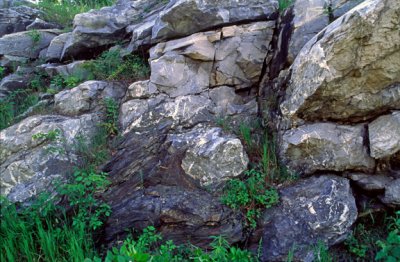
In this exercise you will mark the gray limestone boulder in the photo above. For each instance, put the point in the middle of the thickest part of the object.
(212, 157)
(86, 97)
(315, 209)
(179, 214)
(28, 43)
(384, 135)
(232, 56)
(310, 17)
(16, 19)
(98, 28)
(326, 147)
(392, 194)
(16, 81)
(350, 71)
(185, 17)
(75, 69)
(55, 49)
(28, 164)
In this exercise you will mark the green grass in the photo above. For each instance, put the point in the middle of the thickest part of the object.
(14, 105)
(63, 12)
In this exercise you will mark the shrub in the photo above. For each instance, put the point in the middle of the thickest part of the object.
(390, 248)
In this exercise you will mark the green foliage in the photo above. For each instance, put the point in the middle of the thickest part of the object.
(80, 192)
(284, 4)
(250, 195)
(15, 104)
(63, 12)
(150, 246)
(2, 72)
(52, 135)
(111, 65)
(390, 248)
(355, 243)
(36, 233)
(35, 36)
(111, 121)
(61, 81)
(321, 253)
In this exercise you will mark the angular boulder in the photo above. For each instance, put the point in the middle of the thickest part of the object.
(27, 44)
(17, 81)
(88, 96)
(211, 157)
(16, 19)
(384, 135)
(185, 17)
(392, 194)
(350, 71)
(310, 17)
(30, 165)
(326, 147)
(315, 209)
(179, 214)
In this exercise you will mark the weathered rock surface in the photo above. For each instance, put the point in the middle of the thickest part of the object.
(88, 96)
(371, 182)
(184, 17)
(75, 69)
(55, 50)
(315, 209)
(41, 24)
(350, 71)
(13, 82)
(392, 194)
(310, 17)
(232, 56)
(179, 214)
(106, 26)
(28, 166)
(26, 44)
(211, 157)
(384, 135)
(16, 19)
(326, 147)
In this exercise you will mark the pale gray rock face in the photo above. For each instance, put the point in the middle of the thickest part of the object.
(141, 89)
(232, 56)
(19, 80)
(350, 71)
(106, 26)
(88, 96)
(371, 182)
(392, 194)
(310, 17)
(212, 157)
(26, 44)
(16, 19)
(41, 24)
(384, 135)
(184, 17)
(326, 147)
(28, 166)
(315, 209)
(55, 50)
(76, 69)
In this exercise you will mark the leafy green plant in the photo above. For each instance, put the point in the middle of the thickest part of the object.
(149, 246)
(2, 72)
(250, 195)
(390, 248)
(111, 121)
(354, 242)
(284, 4)
(111, 65)
(35, 36)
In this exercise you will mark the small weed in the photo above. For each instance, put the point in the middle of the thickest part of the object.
(284, 4)
(111, 121)
(390, 248)
(35, 36)
(321, 253)
(110, 65)
(250, 195)
(2, 72)
(355, 244)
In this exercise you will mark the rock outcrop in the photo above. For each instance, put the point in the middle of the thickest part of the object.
(315, 209)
